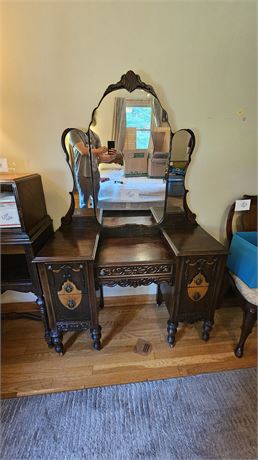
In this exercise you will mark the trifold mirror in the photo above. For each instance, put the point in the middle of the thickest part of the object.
(128, 162)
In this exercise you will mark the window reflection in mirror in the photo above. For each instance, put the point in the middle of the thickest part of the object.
(133, 182)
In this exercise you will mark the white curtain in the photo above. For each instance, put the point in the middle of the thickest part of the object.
(119, 123)
(157, 113)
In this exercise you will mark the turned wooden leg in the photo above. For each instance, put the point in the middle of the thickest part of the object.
(171, 330)
(96, 336)
(206, 328)
(249, 318)
(159, 297)
(42, 308)
(57, 337)
(101, 301)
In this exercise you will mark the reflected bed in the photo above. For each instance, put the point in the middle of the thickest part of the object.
(120, 192)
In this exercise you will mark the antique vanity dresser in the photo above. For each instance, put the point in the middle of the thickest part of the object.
(136, 233)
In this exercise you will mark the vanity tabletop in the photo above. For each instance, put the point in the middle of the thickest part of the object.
(70, 244)
(191, 241)
(127, 250)
(12, 177)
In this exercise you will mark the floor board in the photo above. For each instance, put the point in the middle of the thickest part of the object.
(29, 367)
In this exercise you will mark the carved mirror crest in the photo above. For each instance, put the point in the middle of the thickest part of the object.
(132, 163)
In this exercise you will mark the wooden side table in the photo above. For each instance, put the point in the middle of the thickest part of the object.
(25, 227)
(200, 269)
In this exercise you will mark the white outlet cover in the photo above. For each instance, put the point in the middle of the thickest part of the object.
(242, 205)
(3, 165)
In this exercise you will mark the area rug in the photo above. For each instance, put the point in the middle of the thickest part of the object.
(208, 416)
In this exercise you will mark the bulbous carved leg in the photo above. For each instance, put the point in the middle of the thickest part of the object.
(171, 329)
(56, 337)
(42, 309)
(249, 318)
(206, 328)
(159, 297)
(96, 336)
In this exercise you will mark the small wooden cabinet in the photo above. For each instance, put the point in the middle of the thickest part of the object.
(67, 272)
(200, 269)
(25, 227)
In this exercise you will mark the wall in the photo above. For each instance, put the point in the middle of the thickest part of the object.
(58, 57)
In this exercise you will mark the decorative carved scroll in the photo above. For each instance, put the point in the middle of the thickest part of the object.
(199, 264)
(198, 285)
(66, 272)
(135, 282)
(134, 270)
(64, 267)
(130, 81)
(65, 326)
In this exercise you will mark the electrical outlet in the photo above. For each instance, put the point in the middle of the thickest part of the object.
(242, 205)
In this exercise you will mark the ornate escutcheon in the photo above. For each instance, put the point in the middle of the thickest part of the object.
(69, 295)
(198, 287)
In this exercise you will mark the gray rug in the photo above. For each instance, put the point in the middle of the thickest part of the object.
(210, 416)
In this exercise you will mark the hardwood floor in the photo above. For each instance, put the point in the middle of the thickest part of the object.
(29, 367)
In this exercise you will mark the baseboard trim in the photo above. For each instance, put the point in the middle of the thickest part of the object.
(110, 301)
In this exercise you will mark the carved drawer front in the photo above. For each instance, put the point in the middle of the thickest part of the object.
(135, 275)
(68, 286)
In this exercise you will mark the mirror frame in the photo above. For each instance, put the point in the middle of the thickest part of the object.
(67, 218)
(130, 82)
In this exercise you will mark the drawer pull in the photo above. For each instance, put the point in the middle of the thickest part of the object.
(196, 295)
(71, 303)
(68, 288)
(198, 281)
(198, 287)
(68, 300)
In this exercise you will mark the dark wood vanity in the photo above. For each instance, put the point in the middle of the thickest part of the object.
(135, 243)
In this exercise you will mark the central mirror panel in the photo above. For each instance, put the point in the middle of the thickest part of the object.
(133, 129)
(128, 164)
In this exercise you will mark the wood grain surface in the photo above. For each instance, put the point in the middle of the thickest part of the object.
(29, 367)
(129, 250)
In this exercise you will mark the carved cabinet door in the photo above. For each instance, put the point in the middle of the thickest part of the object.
(197, 288)
(66, 291)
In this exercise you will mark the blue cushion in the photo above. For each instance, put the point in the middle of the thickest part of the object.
(242, 259)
